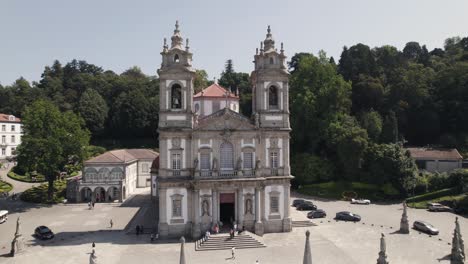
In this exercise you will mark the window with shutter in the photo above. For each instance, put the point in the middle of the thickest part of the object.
(227, 156)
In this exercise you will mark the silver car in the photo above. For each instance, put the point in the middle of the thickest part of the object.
(425, 227)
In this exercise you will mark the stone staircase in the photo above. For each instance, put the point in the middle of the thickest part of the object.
(304, 223)
(224, 242)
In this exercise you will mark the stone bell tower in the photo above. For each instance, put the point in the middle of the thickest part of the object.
(176, 84)
(270, 78)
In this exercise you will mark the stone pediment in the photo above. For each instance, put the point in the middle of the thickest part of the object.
(225, 119)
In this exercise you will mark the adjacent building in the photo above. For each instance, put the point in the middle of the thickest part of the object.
(112, 176)
(219, 167)
(10, 135)
(436, 159)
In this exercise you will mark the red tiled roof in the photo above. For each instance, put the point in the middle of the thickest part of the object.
(6, 118)
(434, 154)
(123, 156)
(215, 91)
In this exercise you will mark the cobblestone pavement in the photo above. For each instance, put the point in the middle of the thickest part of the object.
(331, 241)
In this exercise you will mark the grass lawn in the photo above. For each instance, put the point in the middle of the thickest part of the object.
(337, 190)
(39, 194)
(27, 177)
(5, 187)
(446, 196)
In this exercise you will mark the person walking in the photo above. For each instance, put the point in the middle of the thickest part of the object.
(138, 230)
(233, 253)
(93, 245)
(111, 223)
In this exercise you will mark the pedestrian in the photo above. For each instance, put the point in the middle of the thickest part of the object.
(232, 252)
(152, 237)
(93, 245)
(111, 223)
(256, 262)
(89, 205)
(137, 230)
(93, 204)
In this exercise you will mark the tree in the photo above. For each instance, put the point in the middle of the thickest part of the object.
(372, 123)
(51, 140)
(201, 80)
(368, 93)
(356, 60)
(412, 51)
(390, 129)
(93, 109)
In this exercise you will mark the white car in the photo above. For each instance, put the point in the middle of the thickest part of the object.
(360, 201)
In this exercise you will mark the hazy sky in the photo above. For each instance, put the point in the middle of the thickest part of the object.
(117, 35)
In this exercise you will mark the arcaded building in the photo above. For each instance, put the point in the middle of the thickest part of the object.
(217, 166)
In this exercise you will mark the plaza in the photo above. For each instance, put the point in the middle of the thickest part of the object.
(77, 227)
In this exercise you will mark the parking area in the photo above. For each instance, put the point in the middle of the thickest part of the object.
(331, 241)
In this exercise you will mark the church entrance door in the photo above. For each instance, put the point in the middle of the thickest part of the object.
(227, 211)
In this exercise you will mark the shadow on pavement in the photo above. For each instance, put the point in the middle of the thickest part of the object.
(19, 206)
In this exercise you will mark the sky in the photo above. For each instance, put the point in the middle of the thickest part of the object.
(117, 35)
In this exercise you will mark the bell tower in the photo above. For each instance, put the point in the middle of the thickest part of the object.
(270, 103)
(176, 83)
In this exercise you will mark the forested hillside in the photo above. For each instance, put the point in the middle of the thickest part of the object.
(349, 118)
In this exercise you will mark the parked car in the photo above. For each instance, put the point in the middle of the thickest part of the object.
(360, 201)
(297, 202)
(347, 216)
(306, 206)
(437, 207)
(319, 213)
(425, 227)
(43, 232)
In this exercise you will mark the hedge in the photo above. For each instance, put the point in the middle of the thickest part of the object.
(39, 194)
(5, 186)
(433, 195)
(25, 178)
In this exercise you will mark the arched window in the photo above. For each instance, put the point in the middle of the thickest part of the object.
(227, 156)
(176, 96)
(103, 174)
(272, 61)
(273, 97)
(176, 58)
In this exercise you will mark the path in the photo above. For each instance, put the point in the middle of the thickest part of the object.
(18, 186)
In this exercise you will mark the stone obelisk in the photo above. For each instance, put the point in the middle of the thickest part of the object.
(307, 253)
(382, 254)
(457, 255)
(182, 252)
(404, 225)
(17, 245)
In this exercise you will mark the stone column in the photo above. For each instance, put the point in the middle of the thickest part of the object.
(163, 205)
(258, 212)
(287, 168)
(287, 223)
(240, 208)
(196, 229)
(215, 205)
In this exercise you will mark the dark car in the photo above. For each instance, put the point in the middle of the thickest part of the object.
(347, 216)
(319, 213)
(43, 232)
(297, 202)
(306, 206)
(425, 227)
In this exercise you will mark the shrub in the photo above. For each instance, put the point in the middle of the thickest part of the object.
(433, 195)
(26, 177)
(5, 187)
(39, 194)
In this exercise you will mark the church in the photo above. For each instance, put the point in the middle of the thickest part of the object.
(216, 166)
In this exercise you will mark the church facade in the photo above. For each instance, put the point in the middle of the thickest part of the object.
(222, 168)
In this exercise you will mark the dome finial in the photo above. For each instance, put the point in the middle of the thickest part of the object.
(176, 26)
(269, 29)
(176, 38)
(269, 41)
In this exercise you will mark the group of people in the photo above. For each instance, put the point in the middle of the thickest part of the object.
(139, 229)
(91, 205)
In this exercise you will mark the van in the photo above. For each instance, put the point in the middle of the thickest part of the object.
(3, 216)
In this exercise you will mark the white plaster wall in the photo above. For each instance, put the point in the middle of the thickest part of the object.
(8, 133)
(143, 176)
(207, 107)
(169, 193)
(280, 189)
(131, 178)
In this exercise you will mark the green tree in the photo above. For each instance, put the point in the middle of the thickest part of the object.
(51, 141)
(390, 129)
(201, 80)
(93, 109)
(372, 123)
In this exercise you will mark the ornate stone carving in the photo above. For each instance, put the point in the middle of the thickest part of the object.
(274, 142)
(205, 207)
(176, 142)
(248, 206)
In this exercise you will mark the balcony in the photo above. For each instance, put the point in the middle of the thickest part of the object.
(225, 174)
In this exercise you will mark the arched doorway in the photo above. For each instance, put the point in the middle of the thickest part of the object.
(113, 194)
(99, 194)
(86, 194)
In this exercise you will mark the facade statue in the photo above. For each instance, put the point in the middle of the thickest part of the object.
(258, 164)
(205, 208)
(239, 164)
(248, 206)
(195, 164)
(215, 164)
(257, 120)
